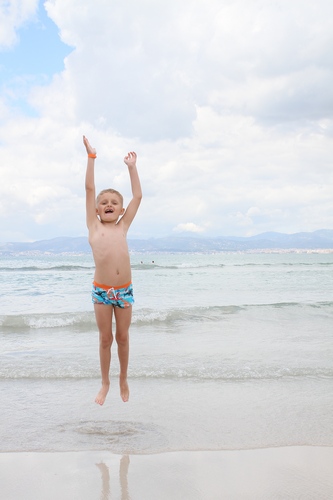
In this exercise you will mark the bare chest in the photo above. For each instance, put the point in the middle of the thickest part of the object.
(108, 238)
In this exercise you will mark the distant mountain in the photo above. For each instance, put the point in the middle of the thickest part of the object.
(55, 245)
(322, 239)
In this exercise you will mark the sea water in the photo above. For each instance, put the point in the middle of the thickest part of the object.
(227, 351)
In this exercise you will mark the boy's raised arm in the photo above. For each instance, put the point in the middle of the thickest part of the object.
(90, 184)
(133, 206)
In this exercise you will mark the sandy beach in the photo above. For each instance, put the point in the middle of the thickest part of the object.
(275, 473)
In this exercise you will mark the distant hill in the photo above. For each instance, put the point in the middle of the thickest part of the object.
(321, 239)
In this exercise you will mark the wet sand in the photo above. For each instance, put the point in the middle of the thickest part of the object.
(274, 473)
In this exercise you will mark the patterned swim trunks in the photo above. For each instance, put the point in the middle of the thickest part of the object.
(117, 296)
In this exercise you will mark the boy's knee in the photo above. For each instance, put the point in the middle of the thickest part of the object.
(105, 341)
(122, 337)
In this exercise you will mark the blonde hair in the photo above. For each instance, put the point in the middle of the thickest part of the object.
(114, 191)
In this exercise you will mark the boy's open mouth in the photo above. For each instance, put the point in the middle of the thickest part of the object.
(109, 210)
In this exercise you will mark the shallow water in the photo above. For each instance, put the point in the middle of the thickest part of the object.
(228, 351)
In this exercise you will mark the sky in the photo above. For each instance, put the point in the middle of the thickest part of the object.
(228, 104)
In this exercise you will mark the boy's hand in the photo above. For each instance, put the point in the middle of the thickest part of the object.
(130, 159)
(90, 150)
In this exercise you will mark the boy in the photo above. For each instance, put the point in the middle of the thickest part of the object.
(112, 292)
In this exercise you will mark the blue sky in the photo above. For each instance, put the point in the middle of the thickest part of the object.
(33, 59)
(38, 51)
(228, 104)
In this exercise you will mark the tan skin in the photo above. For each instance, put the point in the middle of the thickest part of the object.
(108, 223)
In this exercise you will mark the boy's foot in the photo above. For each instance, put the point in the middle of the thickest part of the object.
(124, 389)
(101, 396)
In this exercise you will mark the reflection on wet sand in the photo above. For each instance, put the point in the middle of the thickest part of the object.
(123, 479)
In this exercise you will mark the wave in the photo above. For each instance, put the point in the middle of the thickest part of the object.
(185, 265)
(153, 266)
(191, 265)
(61, 267)
(78, 268)
(211, 372)
(84, 321)
(282, 264)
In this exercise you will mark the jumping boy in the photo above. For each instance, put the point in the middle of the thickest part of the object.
(108, 223)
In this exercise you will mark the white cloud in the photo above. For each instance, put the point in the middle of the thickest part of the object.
(228, 105)
(13, 14)
(188, 227)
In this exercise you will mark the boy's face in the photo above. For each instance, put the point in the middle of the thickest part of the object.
(109, 207)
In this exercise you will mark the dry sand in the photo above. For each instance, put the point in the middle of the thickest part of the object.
(302, 472)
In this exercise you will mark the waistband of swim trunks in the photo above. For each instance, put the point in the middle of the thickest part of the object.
(106, 287)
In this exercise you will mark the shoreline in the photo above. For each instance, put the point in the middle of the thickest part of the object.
(266, 473)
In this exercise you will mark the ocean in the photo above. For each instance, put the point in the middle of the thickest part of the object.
(228, 351)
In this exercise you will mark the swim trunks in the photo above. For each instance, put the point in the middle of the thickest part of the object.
(117, 296)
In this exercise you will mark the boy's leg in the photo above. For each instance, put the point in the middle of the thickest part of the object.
(123, 322)
(103, 315)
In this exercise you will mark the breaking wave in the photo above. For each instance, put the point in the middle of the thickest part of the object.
(142, 317)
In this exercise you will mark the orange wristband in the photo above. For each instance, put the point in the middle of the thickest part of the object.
(92, 156)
